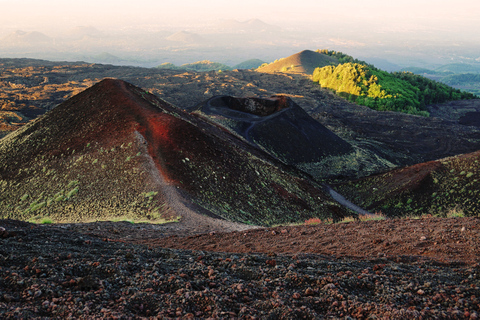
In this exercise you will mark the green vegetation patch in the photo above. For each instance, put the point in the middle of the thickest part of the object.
(90, 185)
(366, 85)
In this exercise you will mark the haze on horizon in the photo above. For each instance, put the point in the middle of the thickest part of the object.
(364, 28)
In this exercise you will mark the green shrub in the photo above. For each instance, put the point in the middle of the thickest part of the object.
(46, 221)
(72, 192)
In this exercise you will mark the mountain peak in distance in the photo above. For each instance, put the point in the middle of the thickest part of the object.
(302, 62)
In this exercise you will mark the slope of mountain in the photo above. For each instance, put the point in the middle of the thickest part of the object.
(302, 62)
(115, 150)
(369, 86)
(185, 37)
(442, 187)
(249, 64)
(23, 38)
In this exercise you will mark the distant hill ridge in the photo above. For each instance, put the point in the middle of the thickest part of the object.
(20, 37)
(207, 65)
(186, 37)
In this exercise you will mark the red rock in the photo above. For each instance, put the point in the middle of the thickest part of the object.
(272, 263)
(309, 292)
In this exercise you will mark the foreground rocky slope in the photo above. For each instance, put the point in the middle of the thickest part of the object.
(50, 272)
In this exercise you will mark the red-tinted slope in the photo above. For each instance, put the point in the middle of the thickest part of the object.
(209, 166)
(445, 187)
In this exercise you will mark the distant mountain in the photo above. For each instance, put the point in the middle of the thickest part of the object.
(303, 62)
(249, 64)
(419, 71)
(115, 150)
(382, 64)
(22, 38)
(446, 70)
(205, 65)
(469, 82)
(459, 68)
(459, 75)
(185, 37)
(168, 65)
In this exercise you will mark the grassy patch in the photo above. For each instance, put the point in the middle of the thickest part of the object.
(135, 221)
(46, 221)
(375, 217)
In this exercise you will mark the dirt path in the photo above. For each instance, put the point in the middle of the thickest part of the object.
(191, 221)
(344, 202)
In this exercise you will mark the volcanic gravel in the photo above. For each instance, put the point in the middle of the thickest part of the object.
(49, 272)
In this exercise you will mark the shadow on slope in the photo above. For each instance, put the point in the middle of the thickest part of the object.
(442, 187)
(116, 150)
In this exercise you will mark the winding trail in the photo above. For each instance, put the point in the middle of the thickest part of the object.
(344, 202)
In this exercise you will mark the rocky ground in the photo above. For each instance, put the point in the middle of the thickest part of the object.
(391, 269)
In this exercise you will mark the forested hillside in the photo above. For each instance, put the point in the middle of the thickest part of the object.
(366, 85)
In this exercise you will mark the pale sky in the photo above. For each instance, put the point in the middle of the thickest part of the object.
(38, 14)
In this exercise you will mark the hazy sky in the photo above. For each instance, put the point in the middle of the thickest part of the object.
(38, 14)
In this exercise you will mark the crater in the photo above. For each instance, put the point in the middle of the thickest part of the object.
(257, 106)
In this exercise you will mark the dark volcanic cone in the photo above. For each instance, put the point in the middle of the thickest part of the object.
(117, 151)
(278, 126)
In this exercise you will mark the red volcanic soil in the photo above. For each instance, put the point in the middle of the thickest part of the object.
(395, 269)
(439, 188)
(453, 240)
(439, 240)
